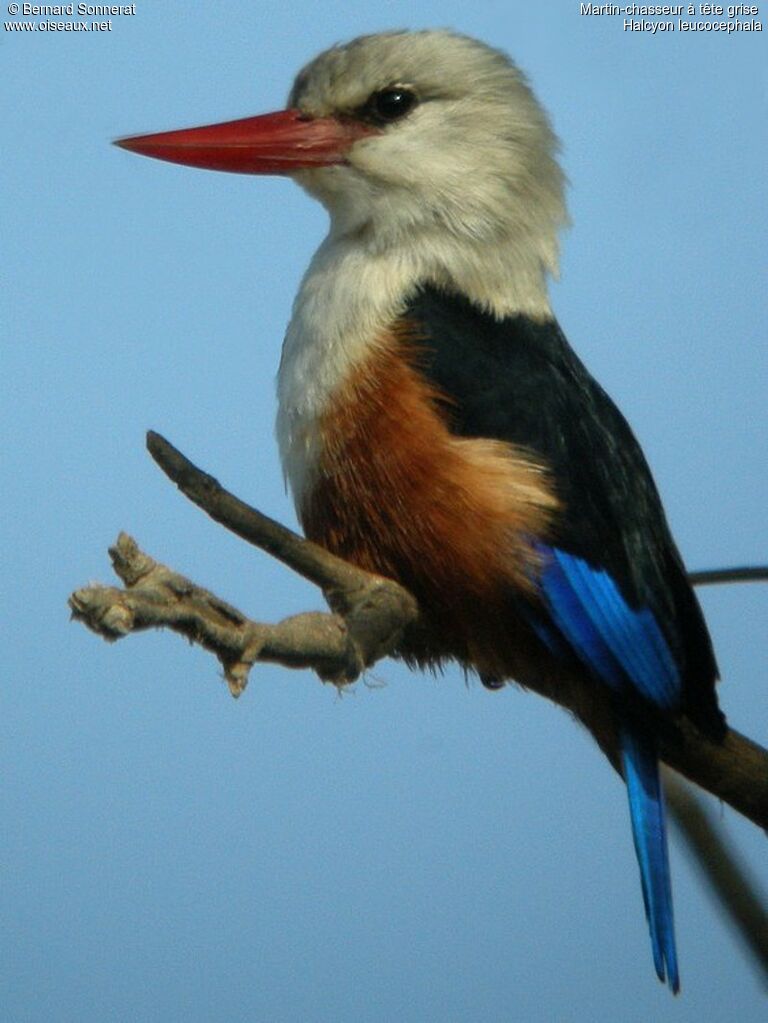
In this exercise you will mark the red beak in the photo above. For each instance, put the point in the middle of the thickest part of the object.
(279, 143)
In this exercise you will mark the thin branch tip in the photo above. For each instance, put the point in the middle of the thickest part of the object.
(737, 574)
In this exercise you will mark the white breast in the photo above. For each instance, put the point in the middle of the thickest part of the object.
(346, 300)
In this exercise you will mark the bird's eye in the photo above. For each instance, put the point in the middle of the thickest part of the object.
(392, 103)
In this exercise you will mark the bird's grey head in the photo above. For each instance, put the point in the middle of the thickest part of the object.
(460, 155)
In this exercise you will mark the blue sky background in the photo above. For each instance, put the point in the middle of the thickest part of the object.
(419, 849)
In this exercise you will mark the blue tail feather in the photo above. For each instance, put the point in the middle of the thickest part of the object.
(646, 806)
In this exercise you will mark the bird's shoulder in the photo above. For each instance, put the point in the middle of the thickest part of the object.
(517, 379)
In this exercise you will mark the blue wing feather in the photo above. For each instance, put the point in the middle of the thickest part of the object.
(623, 646)
(625, 649)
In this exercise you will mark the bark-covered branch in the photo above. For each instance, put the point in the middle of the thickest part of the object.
(721, 867)
(742, 574)
(338, 646)
(366, 622)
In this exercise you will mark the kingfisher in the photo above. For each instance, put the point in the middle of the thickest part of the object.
(436, 427)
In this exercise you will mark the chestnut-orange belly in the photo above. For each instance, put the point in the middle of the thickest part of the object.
(397, 493)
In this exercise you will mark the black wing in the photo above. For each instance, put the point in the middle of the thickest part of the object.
(518, 380)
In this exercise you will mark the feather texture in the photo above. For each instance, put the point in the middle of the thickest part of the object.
(516, 379)
(623, 646)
